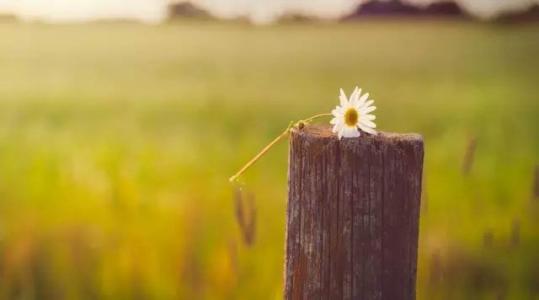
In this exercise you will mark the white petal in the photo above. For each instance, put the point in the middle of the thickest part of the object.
(367, 104)
(363, 99)
(341, 131)
(357, 91)
(368, 129)
(336, 128)
(367, 123)
(337, 113)
(367, 109)
(355, 96)
(369, 117)
(333, 121)
(351, 132)
(342, 98)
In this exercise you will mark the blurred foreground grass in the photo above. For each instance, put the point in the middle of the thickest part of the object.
(116, 142)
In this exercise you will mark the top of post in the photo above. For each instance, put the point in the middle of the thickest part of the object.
(317, 131)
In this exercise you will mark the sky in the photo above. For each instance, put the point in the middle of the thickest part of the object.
(258, 11)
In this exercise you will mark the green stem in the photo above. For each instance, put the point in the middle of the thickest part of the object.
(315, 117)
(272, 143)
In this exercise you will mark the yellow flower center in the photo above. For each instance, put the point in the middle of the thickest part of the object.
(351, 117)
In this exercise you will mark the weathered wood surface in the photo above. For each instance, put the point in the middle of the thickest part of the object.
(353, 215)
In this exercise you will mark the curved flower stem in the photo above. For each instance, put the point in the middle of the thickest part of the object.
(315, 117)
(272, 143)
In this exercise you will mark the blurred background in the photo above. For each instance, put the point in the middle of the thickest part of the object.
(121, 122)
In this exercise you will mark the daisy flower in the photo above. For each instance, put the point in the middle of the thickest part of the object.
(353, 114)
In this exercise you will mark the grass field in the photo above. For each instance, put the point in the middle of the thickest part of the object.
(116, 142)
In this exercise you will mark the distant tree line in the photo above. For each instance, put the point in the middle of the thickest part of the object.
(373, 8)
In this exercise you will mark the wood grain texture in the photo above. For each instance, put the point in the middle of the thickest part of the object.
(353, 215)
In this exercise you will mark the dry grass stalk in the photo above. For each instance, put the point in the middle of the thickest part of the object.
(536, 183)
(469, 156)
(246, 215)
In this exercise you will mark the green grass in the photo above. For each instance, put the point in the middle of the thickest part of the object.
(116, 142)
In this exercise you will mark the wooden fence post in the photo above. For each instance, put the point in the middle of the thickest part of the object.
(353, 215)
